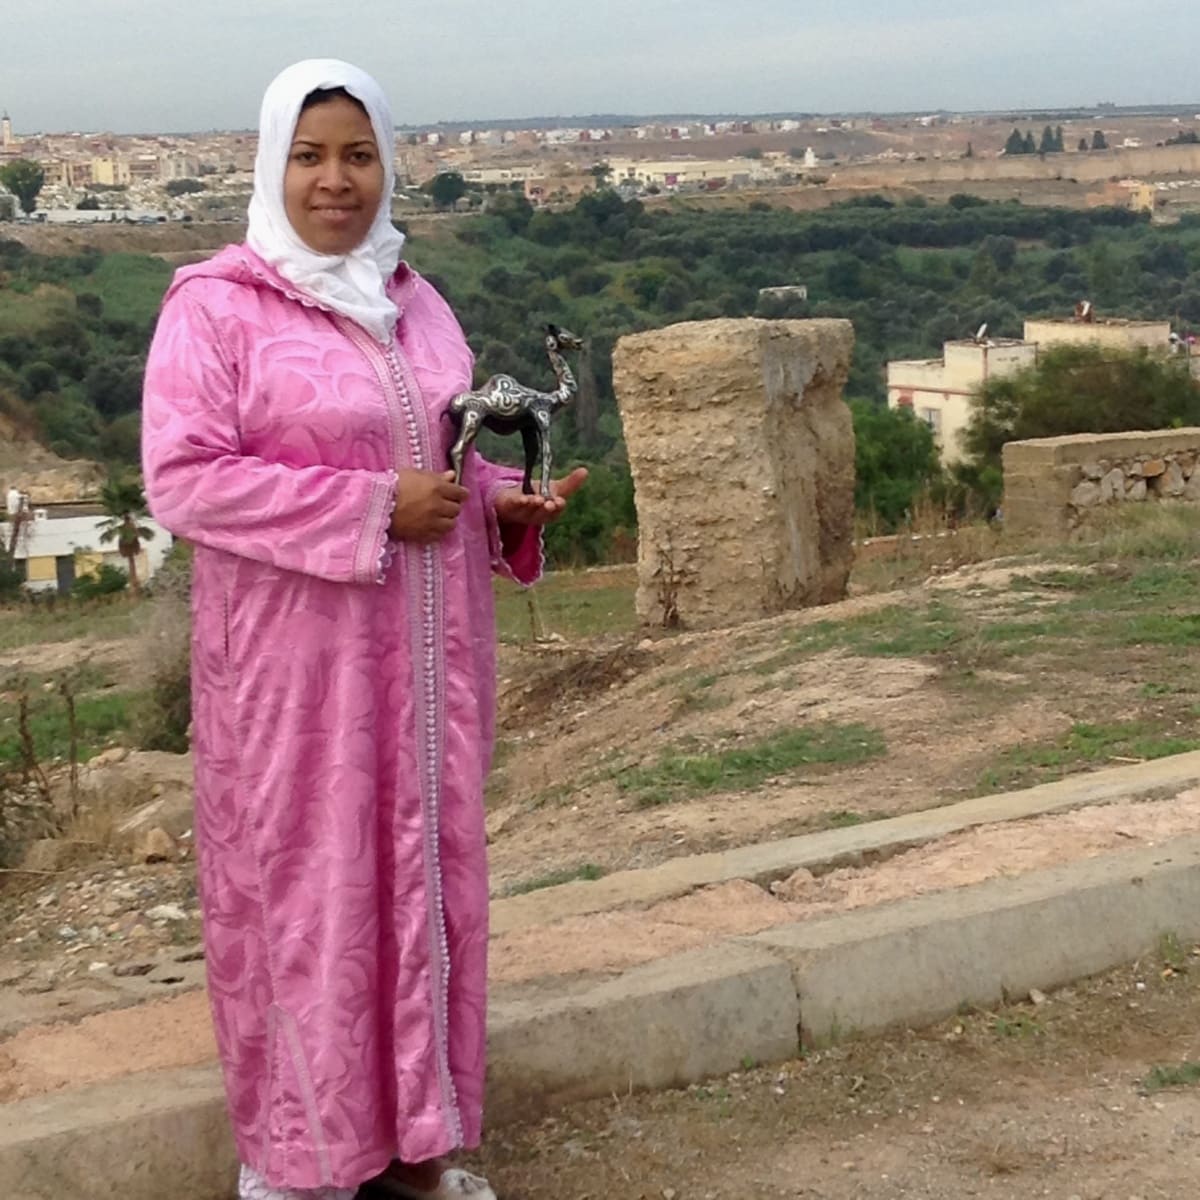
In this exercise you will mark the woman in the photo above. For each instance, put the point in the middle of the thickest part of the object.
(343, 661)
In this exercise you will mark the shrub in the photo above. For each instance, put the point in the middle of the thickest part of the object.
(107, 580)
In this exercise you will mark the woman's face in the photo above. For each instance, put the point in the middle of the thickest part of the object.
(333, 184)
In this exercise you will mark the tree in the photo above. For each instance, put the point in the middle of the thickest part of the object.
(88, 204)
(125, 506)
(895, 460)
(1047, 145)
(1084, 146)
(183, 187)
(601, 173)
(447, 189)
(970, 151)
(1080, 389)
(24, 179)
(1099, 141)
(1015, 143)
(1030, 144)
(1059, 146)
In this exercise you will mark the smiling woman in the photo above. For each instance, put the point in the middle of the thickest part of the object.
(333, 183)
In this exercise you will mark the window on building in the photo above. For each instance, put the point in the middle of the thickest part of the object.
(933, 418)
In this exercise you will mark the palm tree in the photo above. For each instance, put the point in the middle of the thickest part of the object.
(125, 506)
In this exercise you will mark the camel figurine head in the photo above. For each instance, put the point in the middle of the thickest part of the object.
(558, 340)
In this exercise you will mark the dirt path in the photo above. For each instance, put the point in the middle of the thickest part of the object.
(1040, 1100)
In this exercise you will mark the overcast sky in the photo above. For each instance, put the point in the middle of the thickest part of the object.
(178, 65)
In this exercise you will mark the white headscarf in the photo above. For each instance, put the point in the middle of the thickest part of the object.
(354, 283)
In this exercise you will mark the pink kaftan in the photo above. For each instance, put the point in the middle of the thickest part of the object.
(342, 715)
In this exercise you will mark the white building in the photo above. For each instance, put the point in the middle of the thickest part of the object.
(61, 542)
(939, 390)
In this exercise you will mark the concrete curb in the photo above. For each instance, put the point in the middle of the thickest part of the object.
(767, 861)
(667, 1023)
(162, 1133)
(917, 961)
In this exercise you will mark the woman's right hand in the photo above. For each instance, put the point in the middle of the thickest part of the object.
(427, 505)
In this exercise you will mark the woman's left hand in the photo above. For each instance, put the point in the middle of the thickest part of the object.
(515, 507)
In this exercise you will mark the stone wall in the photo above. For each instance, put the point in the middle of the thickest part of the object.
(742, 452)
(1092, 167)
(1052, 484)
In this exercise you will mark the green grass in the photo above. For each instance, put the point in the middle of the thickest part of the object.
(901, 631)
(67, 621)
(588, 872)
(1134, 605)
(679, 776)
(1160, 1078)
(1154, 532)
(100, 719)
(1083, 746)
(570, 604)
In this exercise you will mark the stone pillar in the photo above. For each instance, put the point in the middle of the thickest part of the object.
(742, 454)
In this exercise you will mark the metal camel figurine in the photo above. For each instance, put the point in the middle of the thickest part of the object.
(505, 406)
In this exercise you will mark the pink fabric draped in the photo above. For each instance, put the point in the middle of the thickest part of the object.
(343, 699)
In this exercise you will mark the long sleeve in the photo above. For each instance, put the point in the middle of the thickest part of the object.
(319, 520)
(516, 550)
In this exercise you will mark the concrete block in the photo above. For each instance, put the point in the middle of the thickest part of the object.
(148, 1136)
(750, 412)
(668, 1023)
(916, 962)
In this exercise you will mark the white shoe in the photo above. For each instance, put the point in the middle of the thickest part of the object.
(454, 1184)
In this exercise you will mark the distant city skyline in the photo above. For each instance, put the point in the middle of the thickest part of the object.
(128, 67)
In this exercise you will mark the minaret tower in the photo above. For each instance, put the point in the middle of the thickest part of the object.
(6, 135)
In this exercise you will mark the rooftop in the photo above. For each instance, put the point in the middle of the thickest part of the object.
(991, 343)
(1111, 322)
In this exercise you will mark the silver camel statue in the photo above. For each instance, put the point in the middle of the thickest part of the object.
(505, 406)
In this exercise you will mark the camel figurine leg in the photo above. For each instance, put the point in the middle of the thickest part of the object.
(466, 435)
(529, 440)
(543, 431)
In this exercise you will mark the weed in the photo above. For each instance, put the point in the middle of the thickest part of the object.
(698, 696)
(1154, 691)
(842, 820)
(1018, 1025)
(588, 872)
(676, 776)
(1160, 1078)
(1172, 954)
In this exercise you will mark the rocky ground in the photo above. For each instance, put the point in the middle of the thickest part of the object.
(1088, 1094)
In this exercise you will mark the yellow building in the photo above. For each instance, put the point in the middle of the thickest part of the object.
(1109, 333)
(110, 171)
